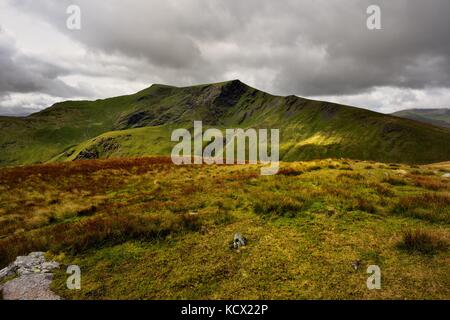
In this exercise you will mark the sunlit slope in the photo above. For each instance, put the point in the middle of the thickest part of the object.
(122, 143)
(141, 124)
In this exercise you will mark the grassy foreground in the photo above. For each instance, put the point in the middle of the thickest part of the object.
(146, 229)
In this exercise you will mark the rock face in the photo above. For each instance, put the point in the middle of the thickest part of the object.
(33, 281)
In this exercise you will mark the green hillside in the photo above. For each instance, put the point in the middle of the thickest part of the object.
(141, 124)
(438, 117)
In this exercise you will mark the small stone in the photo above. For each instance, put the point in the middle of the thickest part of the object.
(446, 175)
(356, 264)
(239, 241)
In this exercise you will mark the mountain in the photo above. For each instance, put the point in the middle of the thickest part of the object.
(438, 117)
(141, 124)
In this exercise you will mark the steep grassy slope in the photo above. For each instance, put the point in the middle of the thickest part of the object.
(438, 117)
(40, 136)
(141, 124)
(144, 141)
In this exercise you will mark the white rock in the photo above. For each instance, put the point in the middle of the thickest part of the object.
(47, 266)
(34, 278)
(23, 271)
(6, 272)
(37, 254)
(30, 287)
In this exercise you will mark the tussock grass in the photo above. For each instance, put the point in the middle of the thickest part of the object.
(356, 176)
(96, 232)
(365, 205)
(433, 207)
(431, 183)
(423, 242)
(290, 172)
(282, 206)
(395, 181)
(382, 189)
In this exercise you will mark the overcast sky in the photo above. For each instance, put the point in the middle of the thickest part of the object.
(311, 48)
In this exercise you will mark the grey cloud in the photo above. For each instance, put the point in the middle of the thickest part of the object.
(23, 74)
(16, 111)
(304, 47)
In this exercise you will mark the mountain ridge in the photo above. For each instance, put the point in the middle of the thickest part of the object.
(140, 124)
(437, 116)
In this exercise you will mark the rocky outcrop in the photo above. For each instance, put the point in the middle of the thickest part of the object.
(30, 287)
(33, 279)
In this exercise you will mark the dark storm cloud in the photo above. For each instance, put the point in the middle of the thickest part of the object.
(304, 47)
(411, 50)
(23, 74)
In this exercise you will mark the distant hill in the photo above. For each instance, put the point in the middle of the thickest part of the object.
(141, 124)
(438, 117)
